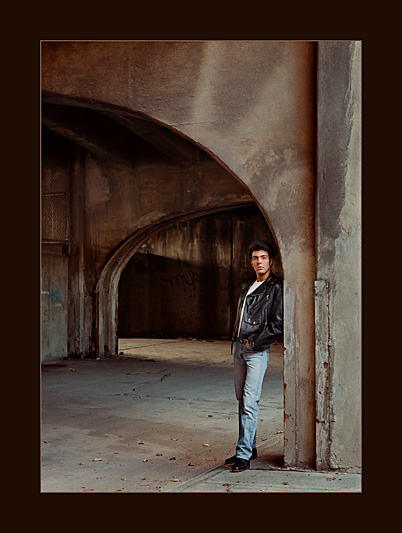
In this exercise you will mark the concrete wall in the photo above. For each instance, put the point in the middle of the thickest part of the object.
(162, 132)
(54, 261)
(54, 303)
(339, 243)
(111, 204)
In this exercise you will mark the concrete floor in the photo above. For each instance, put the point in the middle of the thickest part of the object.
(161, 414)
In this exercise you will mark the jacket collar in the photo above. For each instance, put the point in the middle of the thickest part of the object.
(269, 281)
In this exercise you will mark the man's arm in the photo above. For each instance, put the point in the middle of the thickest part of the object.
(274, 328)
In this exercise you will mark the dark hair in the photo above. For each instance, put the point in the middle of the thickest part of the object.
(261, 245)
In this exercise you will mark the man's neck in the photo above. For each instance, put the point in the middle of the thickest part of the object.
(264, 277)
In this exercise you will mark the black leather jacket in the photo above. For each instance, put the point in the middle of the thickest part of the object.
(262, 322)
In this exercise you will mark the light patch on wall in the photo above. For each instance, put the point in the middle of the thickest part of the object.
(97, 184)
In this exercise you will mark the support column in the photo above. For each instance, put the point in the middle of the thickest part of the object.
(338, 243)
(76, 326)
(321, 291)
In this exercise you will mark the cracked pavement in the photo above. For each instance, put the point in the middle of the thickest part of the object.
(163, 412)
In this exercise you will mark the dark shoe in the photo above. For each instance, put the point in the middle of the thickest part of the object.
(241, 465)
(232, 459)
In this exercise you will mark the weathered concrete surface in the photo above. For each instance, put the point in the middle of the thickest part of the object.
(55, 265)
(122, 208)
(339, 240)
(54, 304)
(111, 205)
(263, 478)
(250, 106)
(166, 397)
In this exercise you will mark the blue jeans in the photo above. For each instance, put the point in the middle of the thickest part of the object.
(249, 372)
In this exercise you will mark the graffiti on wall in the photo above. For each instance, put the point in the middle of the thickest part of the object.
(183, 281)
(51, 297)
(191, 279)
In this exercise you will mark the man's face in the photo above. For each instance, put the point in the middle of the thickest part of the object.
(261, 264)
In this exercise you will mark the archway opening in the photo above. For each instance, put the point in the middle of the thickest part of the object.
(141, 193)
(176, 309)
(184, 280)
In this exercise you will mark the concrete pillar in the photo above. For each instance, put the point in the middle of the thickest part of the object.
(77, 340)
(338, 227)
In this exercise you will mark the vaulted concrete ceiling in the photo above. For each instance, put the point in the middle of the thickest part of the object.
(117, 136)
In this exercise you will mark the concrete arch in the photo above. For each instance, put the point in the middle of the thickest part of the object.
(172, 142)
(71, 117)
(284, 117)
(176, 144)
(185, 152)
(106, 311)
(262, 134)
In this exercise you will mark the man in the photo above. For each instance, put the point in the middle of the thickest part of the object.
(258, 324)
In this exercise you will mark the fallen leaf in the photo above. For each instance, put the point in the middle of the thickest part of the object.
(227, 485)
(97, 459)
(145, 460)
(123, 478)
(81, 463)
(172, 459)
(280, 431)
(159, 454)
(230, 417)
(175, 479)
(141, 442)
(330, 478)
(174, 439)
(205, 444)
(191, 464)
(210, 416)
